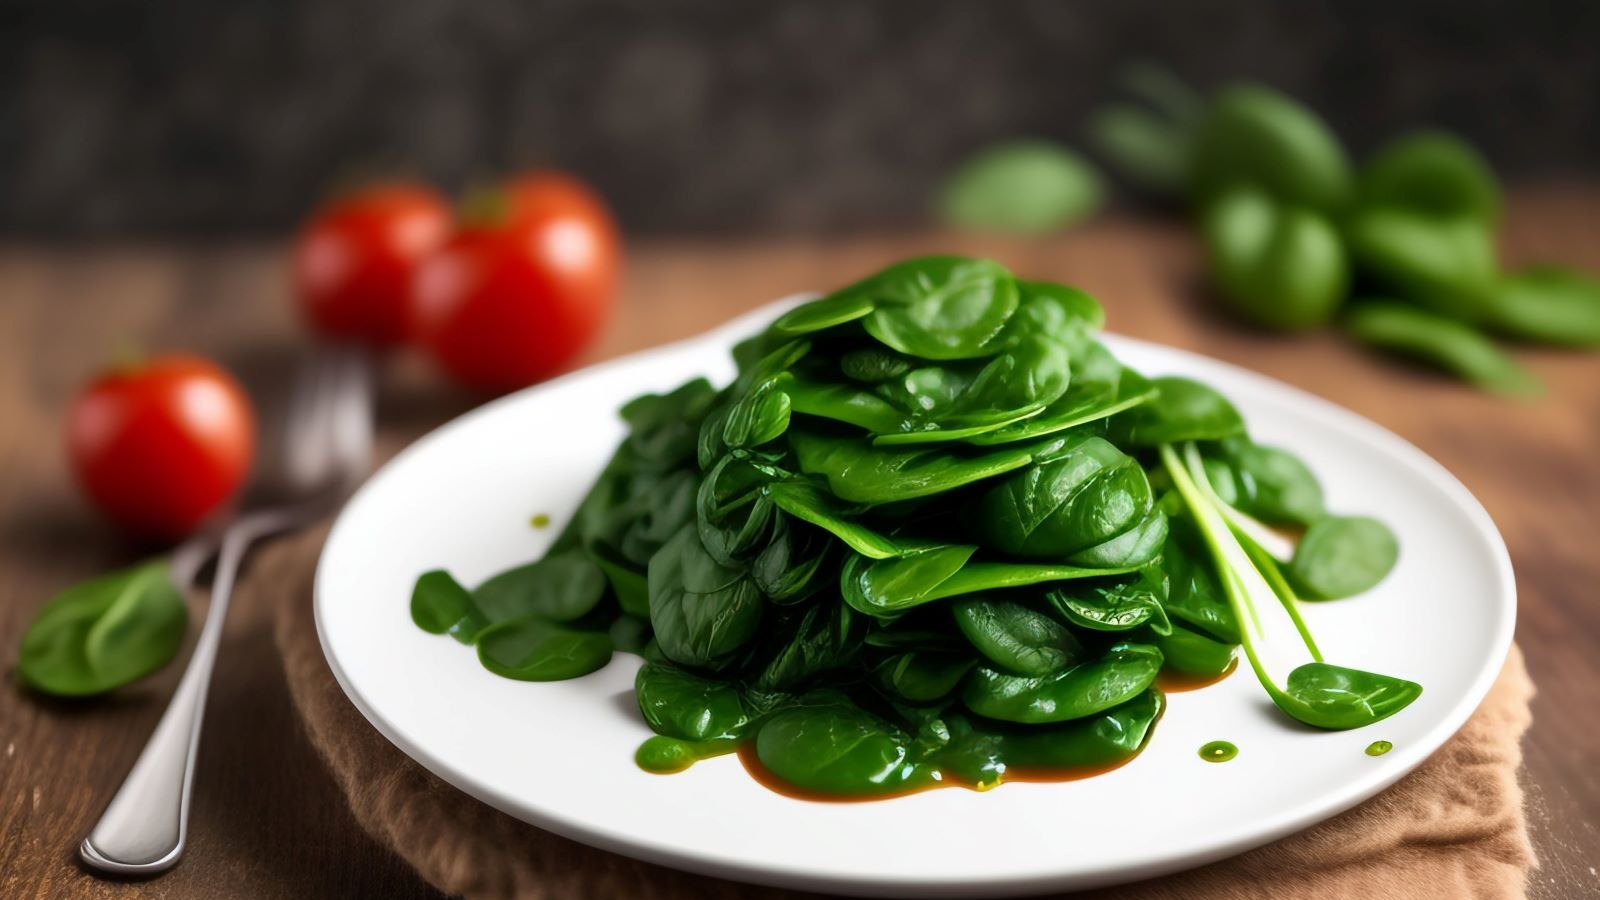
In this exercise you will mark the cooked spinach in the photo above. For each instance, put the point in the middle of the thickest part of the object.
(929, 532)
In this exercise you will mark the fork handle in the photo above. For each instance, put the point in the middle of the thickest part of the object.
(142, 830)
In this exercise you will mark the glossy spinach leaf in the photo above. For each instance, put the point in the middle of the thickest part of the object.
(791, 567)
(1341, 556)
(805, 500)
(847, 403)
(1016, 638)
(836, 309)
(1268, 483)
(941, 307)
(681, 704)
(734, 516)
(888, 587)
(983, 753)
(665, 428)
(1194, 654)
(921, 676)
(104, 633)
(1137, 546)
(827, 636)
(836, 748)
(561, 587)
(1084, 493)
(440, 605)
(1118, 606)
(1124, 672)
(531, 649)
(703, 612)
(1334, 697)
(1086, 401)
(629, 584)
(1182, 410)
(1195, 597)
(858, 472)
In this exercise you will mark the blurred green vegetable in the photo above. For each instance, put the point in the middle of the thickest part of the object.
(104, 633)
(1278, 266)
(1021, 187)
(1255, 136)
(1444, 342)
(1447, 265)
(1432, 173)
(1551, 304)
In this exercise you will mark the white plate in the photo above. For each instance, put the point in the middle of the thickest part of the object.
(560, 755)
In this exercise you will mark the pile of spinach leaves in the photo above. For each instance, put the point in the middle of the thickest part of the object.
(932, 530)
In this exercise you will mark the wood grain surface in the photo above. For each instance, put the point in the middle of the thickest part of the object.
(268, 822)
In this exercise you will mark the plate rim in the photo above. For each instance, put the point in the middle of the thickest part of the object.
(1288, 822)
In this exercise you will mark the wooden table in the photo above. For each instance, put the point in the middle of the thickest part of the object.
(268, 822)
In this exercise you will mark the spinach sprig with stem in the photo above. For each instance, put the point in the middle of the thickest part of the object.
(1276, 640)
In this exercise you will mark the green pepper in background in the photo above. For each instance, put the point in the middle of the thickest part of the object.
(1432, 173)
(1547, 303)
(1253, 135)
(1445, 264)
(1278, 266)
(1021, 187)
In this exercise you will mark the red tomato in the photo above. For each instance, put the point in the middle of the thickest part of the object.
(509, 302)
(354, 260)
(159, 445)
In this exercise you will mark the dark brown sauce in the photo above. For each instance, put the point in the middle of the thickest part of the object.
(1178, 683)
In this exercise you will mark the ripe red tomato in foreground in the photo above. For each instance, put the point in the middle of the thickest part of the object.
(158, 446)
(513, 300)
(354, 260)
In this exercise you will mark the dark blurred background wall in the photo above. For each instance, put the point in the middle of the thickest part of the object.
(143, 117)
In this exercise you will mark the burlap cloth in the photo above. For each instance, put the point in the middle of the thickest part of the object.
(1454, 828)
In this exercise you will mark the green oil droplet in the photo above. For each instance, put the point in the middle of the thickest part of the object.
(540, 521)
(1379, 748)
(1218, 751)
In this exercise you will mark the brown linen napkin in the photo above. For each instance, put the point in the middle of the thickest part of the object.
(1454, 828)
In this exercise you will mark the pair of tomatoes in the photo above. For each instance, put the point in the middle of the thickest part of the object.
(508, 294)
(505, 296)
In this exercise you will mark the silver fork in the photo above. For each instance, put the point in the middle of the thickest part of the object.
(327, 446)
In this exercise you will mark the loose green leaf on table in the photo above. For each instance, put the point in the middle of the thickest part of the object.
(1255, 136)
(1433, 173)
(1444, 264)
(104, 633)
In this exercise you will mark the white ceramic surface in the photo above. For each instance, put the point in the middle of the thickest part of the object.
(560, 755)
